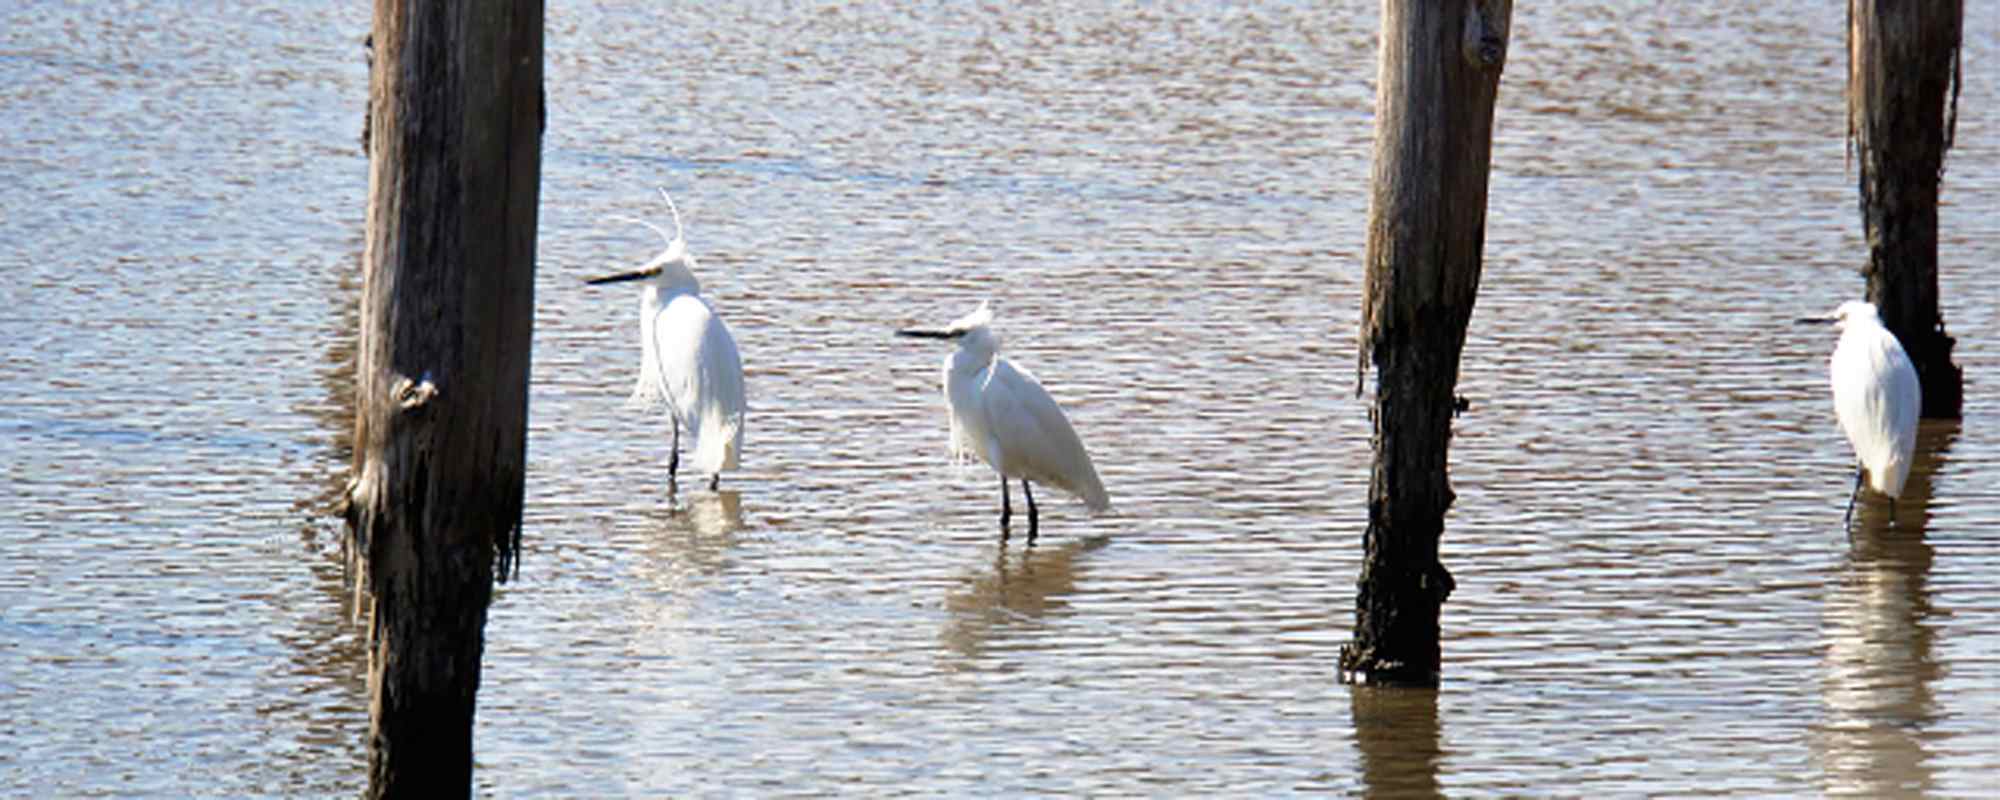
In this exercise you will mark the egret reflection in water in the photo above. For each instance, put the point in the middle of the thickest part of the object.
(1018, 590)
(1880, 660)
(697, 532)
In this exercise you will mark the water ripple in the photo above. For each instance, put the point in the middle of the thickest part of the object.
(1167, 208)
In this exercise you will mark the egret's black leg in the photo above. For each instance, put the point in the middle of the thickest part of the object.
(1848, 521)
(1005, 510)
(1030, 494)
(674, 456)
(1892, 512)
(714, 481)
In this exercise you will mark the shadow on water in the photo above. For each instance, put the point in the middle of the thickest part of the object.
(327, 661)
(1396, 732)
(1880, 643)
(326, 649)
(336, 411)
(1019, 589)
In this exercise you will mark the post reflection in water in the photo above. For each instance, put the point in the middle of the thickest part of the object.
(1396, 732)
(1880, 660)
(1020, 588)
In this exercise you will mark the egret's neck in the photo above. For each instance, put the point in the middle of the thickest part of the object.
(678, 278)
(975, 352)
(1862, 330)
(674, 279)
(651, 300)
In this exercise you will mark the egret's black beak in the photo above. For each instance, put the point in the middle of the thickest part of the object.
(917, 334)
(1812, 320)
(622, 277)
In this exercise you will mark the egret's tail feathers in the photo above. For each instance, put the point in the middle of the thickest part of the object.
(1890, 478)
(1092, 493)
(717, 444)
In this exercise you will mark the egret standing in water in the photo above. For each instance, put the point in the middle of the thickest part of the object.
(1876, 398)
(688, 359)
(1000, 412)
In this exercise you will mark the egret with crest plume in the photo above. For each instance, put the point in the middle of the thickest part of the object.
(1001, 413)
(1876, 399)
(688, 361)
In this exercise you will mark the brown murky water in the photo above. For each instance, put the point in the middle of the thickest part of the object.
(1166, 206)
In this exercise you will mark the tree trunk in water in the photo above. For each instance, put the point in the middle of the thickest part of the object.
(442, 380)
(1902, 96)
(1440, 74)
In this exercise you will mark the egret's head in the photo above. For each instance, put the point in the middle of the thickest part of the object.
(973, 332)
(979, 319)
(1855, 312)
(672, 268)
(1852, 312)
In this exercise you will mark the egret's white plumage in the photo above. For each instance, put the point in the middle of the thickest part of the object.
(688, 359)
(1875, 397)
(1001, 413)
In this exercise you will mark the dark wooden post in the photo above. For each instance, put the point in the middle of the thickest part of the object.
(1440, 74)
(1902, 104)
(434, 507)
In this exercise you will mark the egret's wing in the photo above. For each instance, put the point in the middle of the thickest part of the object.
(724, 396)
(724, 367)
(1876, 398)
(702, 374)
(1905, 401)
(1036, 438)
(724, 402)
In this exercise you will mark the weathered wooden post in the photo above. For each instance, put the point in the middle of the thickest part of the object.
(1439, 76)
(1902, 105)
(442, 380)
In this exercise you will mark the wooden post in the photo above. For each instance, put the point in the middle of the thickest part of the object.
(1902, 106)
(442, 380)
(1440, 74)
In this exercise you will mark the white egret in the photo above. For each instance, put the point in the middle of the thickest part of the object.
(688, 359)
(1001, 413)
(1876, 399)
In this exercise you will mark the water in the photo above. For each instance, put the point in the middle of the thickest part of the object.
(1167, 207)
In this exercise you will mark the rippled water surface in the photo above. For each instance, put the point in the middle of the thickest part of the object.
(1166, 207)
